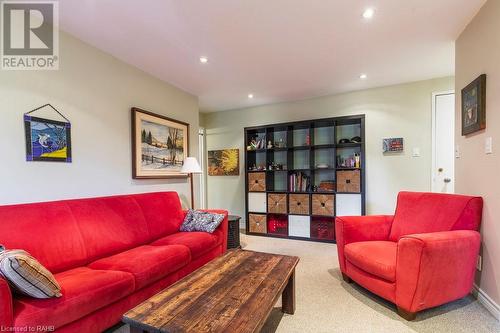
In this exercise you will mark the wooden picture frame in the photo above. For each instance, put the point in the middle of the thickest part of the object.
(159, 145)
(474, 106)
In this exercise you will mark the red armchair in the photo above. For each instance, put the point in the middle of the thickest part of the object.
(421, 257)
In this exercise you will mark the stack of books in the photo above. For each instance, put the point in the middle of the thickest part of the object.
(299, 182)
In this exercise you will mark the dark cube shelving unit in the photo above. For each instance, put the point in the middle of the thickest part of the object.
(319, 153)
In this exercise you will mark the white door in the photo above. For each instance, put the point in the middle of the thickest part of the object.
(443, 142)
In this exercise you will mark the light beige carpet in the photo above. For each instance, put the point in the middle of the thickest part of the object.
(327, 304)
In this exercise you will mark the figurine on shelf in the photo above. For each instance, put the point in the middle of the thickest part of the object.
(253, 144)
(357, 159)
(269, 145)
(308, 140)
(280, 143)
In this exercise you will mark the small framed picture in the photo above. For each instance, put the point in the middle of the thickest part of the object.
(474, 106)
(224, 162)
(393, 145)
(47, 140)
(159, 146)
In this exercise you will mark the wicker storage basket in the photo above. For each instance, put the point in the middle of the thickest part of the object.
(349, 181)
(323, 204)
(298, 204)
(257, 182)
(257, 223)
(276, 203)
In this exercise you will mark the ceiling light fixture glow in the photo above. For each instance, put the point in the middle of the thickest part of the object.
(250, 96)
(368, 13)
(203, 60)
(363, 76)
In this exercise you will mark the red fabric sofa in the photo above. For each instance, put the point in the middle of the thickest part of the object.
(423, 256)
(108, 254)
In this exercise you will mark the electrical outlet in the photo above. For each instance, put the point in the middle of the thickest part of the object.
(479, 263)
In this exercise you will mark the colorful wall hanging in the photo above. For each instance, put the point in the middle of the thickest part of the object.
(46, 139)
(224, 162)
(392, 145)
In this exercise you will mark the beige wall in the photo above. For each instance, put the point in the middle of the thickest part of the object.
(395, 111)
(477, 52)
(95, 91)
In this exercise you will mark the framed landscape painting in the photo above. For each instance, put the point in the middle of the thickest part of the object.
(47, 140)
(224, 162)
(159, 146)
(474, 106)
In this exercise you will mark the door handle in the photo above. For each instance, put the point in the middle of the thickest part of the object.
(447, 180)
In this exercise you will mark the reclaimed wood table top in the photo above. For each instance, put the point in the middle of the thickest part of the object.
(233, 293)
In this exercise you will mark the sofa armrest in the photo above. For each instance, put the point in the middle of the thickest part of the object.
(6, 312)
(435, 268)
(351, 229)
(223, 227)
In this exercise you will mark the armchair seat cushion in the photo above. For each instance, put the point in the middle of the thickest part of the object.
(84, 291)
(376, 257)
(146, 263)
(198, 242)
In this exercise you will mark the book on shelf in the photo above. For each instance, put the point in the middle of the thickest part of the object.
(299, 182)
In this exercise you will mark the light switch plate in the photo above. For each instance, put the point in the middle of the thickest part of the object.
(416, 152)
(457, 151)
(488, 145)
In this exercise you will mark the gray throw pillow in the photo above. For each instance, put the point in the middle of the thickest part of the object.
(201, 221)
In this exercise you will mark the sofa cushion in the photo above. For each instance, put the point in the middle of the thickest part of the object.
(27, 275)
(419, 212)
(146, 263)
(201, 221)
(198, 242)
(84, 291)
(46, 223)
(375, 257)
(162, 211)
(109, 225)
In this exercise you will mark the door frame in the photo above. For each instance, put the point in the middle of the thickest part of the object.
(433, 132)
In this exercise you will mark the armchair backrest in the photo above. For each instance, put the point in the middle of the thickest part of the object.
(421, 212)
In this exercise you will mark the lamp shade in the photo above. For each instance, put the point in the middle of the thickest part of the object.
(191, 165)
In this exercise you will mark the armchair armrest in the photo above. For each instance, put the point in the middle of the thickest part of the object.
(351, 229)
(435, 268)
(6, 313)
(223, 227)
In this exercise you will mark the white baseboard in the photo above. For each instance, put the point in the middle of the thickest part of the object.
(487, 302)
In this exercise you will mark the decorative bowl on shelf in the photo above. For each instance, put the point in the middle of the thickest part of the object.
(322, 166)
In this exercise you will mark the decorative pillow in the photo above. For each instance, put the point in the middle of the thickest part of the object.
(26, 275)
(201, 221)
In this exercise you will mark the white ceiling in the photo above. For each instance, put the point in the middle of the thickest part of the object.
(279, 50)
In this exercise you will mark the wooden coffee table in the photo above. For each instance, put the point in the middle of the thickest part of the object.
(233, 293)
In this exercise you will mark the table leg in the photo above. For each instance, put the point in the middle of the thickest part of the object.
(288, 296)
(136, 330)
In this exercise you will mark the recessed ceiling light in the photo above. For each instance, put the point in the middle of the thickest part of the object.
(250, 96)
(203, 60)
(368, 13)
(363, 76)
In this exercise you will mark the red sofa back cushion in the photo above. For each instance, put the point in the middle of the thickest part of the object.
(72, 233)
(421, 212)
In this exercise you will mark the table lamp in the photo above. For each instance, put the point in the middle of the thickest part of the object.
(190, 167)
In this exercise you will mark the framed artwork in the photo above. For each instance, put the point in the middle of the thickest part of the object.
(159, 146)
(474, 106)
(47, 140)
(224, 162)
(392, 145)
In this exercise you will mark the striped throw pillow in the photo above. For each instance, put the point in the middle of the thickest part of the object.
(27, 276)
